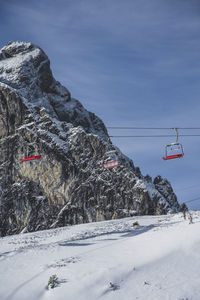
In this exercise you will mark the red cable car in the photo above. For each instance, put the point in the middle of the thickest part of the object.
(170, 151)
(31, 158)
(174, 150)
(30, 153)
(110, 159)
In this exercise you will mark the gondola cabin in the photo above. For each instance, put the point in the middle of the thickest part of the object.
(173, 150)
(31, 158)
(111, 160)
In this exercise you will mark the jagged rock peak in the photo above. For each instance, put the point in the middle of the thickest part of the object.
(25, 64)
(164, 187)
(26, 68)
(14, 47)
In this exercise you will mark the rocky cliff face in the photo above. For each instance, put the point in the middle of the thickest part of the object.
(69, 184)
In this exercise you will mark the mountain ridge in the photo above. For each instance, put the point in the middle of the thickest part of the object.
(69, 184)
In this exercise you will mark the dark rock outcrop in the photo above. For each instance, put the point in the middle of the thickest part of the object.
(68, 185)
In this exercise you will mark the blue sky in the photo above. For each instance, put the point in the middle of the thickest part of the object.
(132, 62)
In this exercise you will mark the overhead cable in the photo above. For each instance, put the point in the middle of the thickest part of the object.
(195, 199)
(153, 128)
(150, 136)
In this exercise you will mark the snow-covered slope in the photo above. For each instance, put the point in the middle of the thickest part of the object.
(157, 260)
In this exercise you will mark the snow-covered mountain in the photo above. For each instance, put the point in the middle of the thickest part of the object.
(69, 184)
(26, 68)
(159, 259)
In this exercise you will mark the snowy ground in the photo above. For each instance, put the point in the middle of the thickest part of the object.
(160, 259)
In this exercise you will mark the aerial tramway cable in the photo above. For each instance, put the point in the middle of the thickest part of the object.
(151, 136)
(195, 199)
(153, 128)
(172, 150)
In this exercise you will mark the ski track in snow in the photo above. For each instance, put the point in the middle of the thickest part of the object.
(160, 259)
